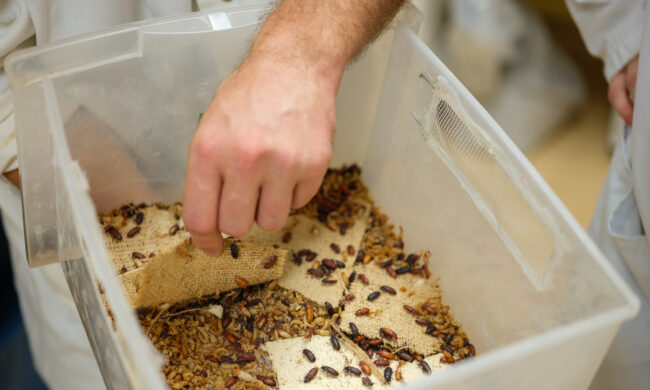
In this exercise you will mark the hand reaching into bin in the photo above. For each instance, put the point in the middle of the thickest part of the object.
(265, 141)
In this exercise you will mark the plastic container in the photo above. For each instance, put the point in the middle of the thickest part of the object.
(106, 118)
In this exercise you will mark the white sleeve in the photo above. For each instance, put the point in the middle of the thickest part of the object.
(611, 29)
(15, 28)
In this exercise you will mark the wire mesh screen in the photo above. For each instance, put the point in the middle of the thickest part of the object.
(461, 144)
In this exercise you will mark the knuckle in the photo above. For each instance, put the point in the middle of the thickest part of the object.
(205, 148)
(249, 154)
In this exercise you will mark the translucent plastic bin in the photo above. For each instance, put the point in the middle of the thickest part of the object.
(106, 118)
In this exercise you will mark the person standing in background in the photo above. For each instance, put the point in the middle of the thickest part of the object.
(262, 147)
(618, 32)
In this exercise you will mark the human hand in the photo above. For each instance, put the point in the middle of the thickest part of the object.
(261, 148)
(622, 90)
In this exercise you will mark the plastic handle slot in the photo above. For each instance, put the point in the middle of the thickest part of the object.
(483, 172)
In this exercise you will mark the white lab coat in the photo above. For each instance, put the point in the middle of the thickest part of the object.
(58, 342)
(616, 31)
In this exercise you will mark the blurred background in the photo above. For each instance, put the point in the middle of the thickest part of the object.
(525, 61)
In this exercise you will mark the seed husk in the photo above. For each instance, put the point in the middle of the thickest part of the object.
(354, 330)
(335, 342)
(425, 367)
(402, 270)
(231, 381)
(343, 228)
(311, 374)
(330, 309)
(405, 356)
(374, 295)
(422, 321)
(114, 233)
(241, 282)
(352, 370)
(398, 373)
(429, 309)
(317, 273)
(362, 312)
(449, 338)
(133, 232)
(388, 374)
(309, 355)
(330, 371)
(387, 333)
(270, 382)
(174, 229)
(365, 368)
(364, 279)
(234, 250)
(411, 309)
(388, 289)
(245, 357)
(271, 262)
(386, 354)
(329, 264)
(374, 342)
(366, 381)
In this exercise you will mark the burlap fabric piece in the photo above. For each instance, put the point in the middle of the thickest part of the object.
(291, 366)
(309, 233)
(187, 273)
(179, 271)
(388, 310)
(154, 236)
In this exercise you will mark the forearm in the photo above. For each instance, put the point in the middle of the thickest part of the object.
(265, 142)
(322, 36)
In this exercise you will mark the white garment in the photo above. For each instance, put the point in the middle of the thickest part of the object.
(611, 29)
(617, 229)
(616, 31)
(58, 342)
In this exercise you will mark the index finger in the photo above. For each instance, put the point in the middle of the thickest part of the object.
(201, 200)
